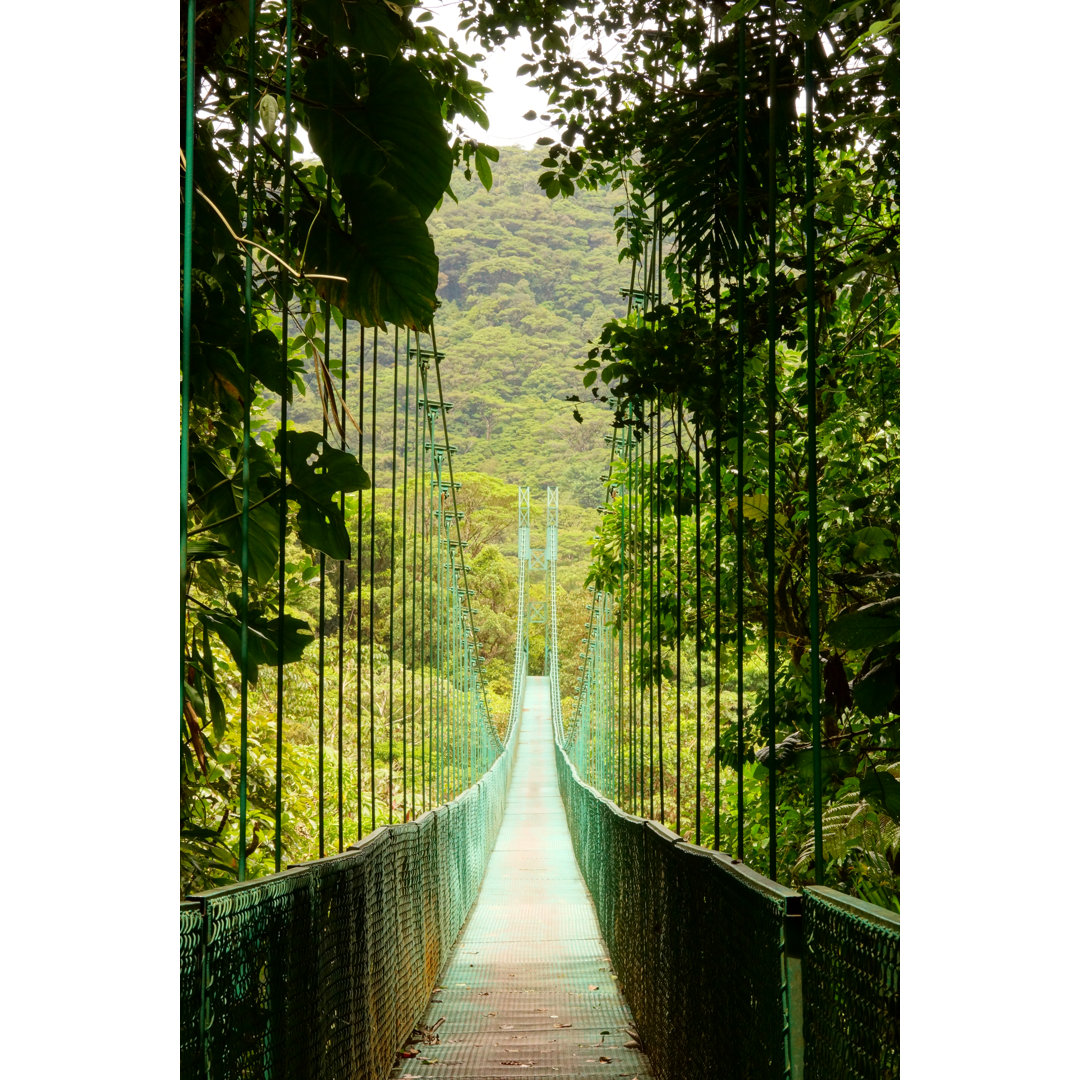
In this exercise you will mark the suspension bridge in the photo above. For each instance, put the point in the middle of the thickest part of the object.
(531, 925)
(384, 874)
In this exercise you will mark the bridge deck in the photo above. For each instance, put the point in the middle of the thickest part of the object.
(528, 989)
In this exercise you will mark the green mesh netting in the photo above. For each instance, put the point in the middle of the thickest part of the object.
(323, 970)
(697, 941)
(851, 988)
(191, 934)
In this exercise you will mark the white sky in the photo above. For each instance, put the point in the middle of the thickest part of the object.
(510, 98)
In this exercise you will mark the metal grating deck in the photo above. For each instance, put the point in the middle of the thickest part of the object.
(529, 990)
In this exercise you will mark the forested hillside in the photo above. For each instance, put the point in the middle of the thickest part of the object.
(525, 283)
(756, 394)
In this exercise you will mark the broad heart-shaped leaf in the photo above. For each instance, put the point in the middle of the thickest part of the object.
(370, 25)
(319, 473)
(877, 689)
(388, 258)
(394, 132)
(318, 469)
(870, 625)
(833, 763)
(322, 526)
(262, 639)
(871, 544)
(883, 790)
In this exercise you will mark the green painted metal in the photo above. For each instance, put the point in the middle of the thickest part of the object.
(323, 969)
(245, 458)
(606, 695)
(851, 988)
(812, 454)
(528, 987)
(284, 294)
(740, 451)
(185, 338)
(674, 918)
(770, 529)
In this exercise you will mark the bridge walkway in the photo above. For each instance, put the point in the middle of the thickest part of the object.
(529, 989)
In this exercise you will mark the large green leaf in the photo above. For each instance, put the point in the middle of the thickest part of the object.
(883, 790)
(372, 26)
(322, 527)
(262, 639)
(877, 688)
(868, 626)
(388, 258)
(318, 469)
(871, 544)
(394, 131)
(319, 473)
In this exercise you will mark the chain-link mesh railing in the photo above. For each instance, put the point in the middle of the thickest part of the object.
(851, 988)
(699, 943)
(322, 971)
(191, 928)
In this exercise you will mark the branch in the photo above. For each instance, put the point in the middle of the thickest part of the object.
(298, 274)
(233, 517)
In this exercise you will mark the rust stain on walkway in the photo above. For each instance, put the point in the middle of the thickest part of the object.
(528, 989)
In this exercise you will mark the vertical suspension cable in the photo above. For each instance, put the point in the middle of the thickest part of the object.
(390, 639)
(715, 260)
(620, 754)
(658, 259)
(678, 617)
(341, 610)
(632, 613)
(282, 501)
(185, 339)
(360, 604)
(371, 572)
(245, 447)
(697, 627)
(322, 584)
(421, 496)
(770, 531)
(717, 681)
(322, 628)
(811, 468)
(407, 736)
(740, 533)
(643, 598)
(433, 623)
(656, 659)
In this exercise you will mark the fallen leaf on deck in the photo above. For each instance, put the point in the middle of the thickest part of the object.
(605, 1060)
(594, 987)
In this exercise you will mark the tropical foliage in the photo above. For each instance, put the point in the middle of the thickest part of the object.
(281, 248)
(305, 268)
(723, 194)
